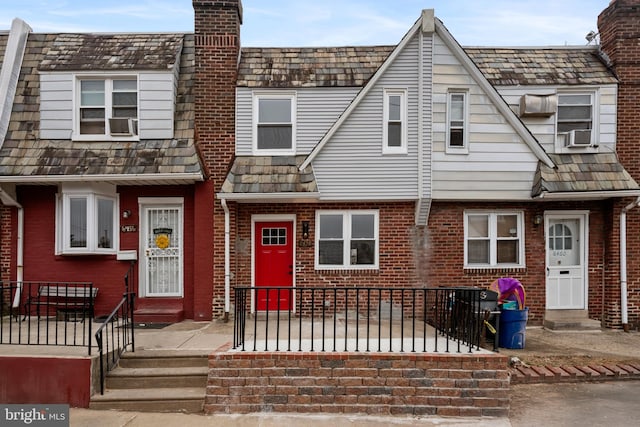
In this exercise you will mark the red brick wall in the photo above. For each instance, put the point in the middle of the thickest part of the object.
(106, 273)
(6, 243)
(446, 226)
(371, 383)
(619, 26)
(396, 265)
(217, 38)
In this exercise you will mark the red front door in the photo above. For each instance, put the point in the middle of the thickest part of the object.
(274, 264)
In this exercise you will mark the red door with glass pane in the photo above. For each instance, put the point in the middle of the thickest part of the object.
(274, 264)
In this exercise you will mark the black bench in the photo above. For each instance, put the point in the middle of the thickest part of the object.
(65, 299)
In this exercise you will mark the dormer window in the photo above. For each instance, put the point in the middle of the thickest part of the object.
(274, 123)
(108, 108)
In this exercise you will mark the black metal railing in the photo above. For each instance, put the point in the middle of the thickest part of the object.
(117, 332)
(47, 313)
(370, 319)
(115, 335)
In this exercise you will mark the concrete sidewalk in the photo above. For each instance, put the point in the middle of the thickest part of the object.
(92, 418)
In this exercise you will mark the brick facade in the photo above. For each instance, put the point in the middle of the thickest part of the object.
(371, 383)
(446, 233)
(619, 26)
(217, 38)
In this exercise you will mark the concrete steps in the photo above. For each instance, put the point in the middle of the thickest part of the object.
(156, 381)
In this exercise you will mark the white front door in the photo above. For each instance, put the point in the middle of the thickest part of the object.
(161, 248)
(566, 244)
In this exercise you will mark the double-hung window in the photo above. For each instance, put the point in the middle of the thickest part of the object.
(395, 121)
(493, 239)
(457, 133)
(108, 107)
(575, 119)
(347, 239)
(86, 220)
(274, 123)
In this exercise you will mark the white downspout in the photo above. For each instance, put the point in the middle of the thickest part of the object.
(227, 263)
(623, 264)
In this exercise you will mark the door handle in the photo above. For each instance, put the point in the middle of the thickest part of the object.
(547, 271)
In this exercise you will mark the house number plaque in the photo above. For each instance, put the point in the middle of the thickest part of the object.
(129, 228)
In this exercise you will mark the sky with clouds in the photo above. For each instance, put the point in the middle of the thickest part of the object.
(328, 22)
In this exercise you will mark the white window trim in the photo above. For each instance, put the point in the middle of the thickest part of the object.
(402, 149)
(346, 237)
(108, 78)
(92, 193)
(595, 120)
(292, 96)
(465, 133)
(493, 239)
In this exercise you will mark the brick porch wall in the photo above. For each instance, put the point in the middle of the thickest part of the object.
(372, 383)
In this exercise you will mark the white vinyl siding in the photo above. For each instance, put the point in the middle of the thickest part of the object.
(316, 110)
(351, 165)
(498, 164)
(544, 128)
(156, 93)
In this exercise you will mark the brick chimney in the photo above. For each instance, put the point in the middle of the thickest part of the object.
(619, 26)
(217, 49)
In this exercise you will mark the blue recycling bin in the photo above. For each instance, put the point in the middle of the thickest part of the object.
(513, 324)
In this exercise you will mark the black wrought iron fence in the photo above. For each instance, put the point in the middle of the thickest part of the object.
(115, 336)
(370, 319)
(47, 313)
(117, 332)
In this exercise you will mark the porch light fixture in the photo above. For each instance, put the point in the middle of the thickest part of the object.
(126, 213)
(305, 230)
(537, 219)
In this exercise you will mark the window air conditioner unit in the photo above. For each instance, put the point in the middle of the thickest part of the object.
(538, 105)
(123, 126)
(577, 138)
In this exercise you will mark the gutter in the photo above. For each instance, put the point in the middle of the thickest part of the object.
(623, 264)
(8, 200)
(227, 263)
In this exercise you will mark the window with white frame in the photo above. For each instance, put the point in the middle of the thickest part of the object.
(86, 220)
(395, 121)
(457, 120)
(274, 123)
(575, 119)
(494, 239)
(107, 108)
(347, 239)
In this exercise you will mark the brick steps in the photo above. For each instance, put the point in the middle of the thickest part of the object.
(549, 374)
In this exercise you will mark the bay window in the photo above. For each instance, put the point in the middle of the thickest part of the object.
(86, 220)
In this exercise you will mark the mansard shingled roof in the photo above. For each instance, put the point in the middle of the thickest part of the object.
(25, 154)
(541, 66)
(74, 52)
(354, 66)
(310, 67)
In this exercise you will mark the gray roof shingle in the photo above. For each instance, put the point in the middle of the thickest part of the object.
(310, 67)
(266, 174)
(73, 52)
(541, 66)
(582, 172)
